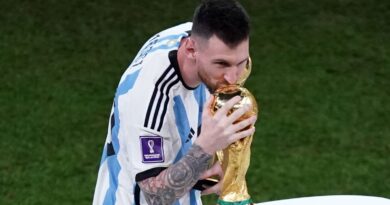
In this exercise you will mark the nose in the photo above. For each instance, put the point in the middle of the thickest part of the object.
(231, 75)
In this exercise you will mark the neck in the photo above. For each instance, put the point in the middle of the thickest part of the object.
(187, 66)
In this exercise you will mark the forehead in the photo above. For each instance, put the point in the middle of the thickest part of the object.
(214, 48)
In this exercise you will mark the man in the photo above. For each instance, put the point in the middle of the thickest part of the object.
(161, 135)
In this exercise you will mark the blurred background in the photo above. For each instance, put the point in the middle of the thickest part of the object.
(320, 74)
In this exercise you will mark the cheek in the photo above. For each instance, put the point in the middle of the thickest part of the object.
(215, 73)
(219, 75)
(211, 77)
(210, 71)
(240, 71)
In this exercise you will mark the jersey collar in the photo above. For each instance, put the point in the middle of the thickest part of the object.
(173, 59)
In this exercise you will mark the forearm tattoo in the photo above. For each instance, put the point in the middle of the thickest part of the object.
(177, 180)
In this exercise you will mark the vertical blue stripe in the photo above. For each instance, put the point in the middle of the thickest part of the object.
(113, 170)
(192, 197)
(104, 154)
(200, 96)
(112, 161)
(183, 127)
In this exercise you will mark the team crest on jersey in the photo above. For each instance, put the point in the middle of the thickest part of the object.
(152, 149)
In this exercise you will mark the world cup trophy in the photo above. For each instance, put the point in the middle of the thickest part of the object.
(235, 158)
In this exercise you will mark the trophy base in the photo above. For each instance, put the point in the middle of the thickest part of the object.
(245, 202)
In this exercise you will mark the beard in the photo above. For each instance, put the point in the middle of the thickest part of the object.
(210, 85)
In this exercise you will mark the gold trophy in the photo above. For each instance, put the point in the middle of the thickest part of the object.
(236, 157)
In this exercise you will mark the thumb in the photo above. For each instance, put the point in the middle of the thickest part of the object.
(215, 170)
(216, 189)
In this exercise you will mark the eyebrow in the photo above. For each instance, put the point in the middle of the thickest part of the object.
(226, 62)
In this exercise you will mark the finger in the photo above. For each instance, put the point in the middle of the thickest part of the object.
(207, 173)
(208, 104)
(214, 189)
(243, 124)
(219, 170)
(211, 190)
(238, 113)
(239, 135)
(227, 107)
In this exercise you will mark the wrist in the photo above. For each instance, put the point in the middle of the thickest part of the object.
(205, 146)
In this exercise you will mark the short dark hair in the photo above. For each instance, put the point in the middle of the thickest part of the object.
(227, 19)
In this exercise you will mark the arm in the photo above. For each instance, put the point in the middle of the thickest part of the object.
(178, 179)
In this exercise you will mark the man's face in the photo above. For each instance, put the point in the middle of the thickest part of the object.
(219, 64)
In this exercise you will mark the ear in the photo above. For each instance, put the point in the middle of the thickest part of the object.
(189, 46)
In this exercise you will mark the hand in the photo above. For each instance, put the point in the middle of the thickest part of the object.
(219, 130)
(215, 170)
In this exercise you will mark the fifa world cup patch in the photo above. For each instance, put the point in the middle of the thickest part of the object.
(152, 149)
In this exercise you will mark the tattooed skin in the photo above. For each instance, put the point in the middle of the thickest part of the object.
(177, 180)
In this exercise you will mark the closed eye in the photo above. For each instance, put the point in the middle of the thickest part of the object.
(242, 62)
(222, 63)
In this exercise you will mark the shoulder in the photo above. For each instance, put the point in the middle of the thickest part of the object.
(157, 45)
(154, 59)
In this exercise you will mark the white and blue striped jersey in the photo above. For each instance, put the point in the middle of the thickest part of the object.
(154, 120)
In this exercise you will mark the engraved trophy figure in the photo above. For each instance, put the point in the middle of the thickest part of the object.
(236, 157)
